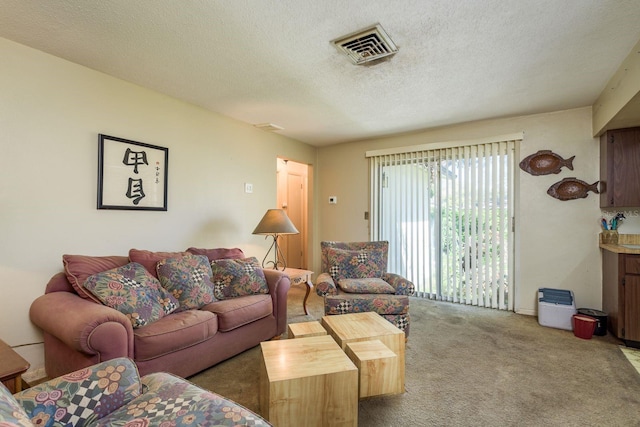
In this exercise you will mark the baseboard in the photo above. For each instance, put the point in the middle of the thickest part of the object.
(527, 312)
(35, 376)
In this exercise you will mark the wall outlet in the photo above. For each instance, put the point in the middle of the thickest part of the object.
(248, 187)
(333, 200)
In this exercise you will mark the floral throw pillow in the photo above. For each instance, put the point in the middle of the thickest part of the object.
(369, 285)
(188, 279)
(237, 277)
(346, 264)
(132, 290)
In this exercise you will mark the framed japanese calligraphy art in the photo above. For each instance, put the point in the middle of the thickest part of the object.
(131, 175)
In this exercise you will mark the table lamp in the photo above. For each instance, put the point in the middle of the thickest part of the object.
(274, 223)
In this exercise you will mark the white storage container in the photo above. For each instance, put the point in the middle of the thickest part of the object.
(556, 308)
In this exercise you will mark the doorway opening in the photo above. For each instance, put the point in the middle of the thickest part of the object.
(292, 197)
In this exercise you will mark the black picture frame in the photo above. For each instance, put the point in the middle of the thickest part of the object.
(131, 175)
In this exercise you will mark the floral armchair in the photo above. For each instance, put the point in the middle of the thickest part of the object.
(112, 393)
(354, 279)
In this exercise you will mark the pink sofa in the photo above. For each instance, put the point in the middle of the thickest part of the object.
(79, 332)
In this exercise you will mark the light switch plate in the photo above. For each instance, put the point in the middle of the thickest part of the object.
(248, 187)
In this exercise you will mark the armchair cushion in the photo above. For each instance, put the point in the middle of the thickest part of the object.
(172, 401)
(111, 393)
(188, 279)
(237, 277)
(82, 397)
(132, 290)
(11, 413)
(366, 286)
(356, 264)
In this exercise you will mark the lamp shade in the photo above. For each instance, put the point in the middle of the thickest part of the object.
(275, 221)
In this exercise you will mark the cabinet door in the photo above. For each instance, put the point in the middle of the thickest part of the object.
(620, 168)
(612, 296)
(632, 308)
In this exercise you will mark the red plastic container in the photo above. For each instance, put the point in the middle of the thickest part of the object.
(584, 326)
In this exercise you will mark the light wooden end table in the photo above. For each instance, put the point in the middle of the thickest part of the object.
(308, 381)
(369, 326)
(12, 366)
(298, 276)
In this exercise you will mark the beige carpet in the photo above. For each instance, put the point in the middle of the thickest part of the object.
(468, 366)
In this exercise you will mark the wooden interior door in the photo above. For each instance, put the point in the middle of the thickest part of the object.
(632, 308)
(293, 199)
(295, 211)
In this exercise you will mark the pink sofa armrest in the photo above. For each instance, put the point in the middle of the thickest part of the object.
(279, 284)
(84, 325)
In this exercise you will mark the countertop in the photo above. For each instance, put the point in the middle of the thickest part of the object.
(623, 239)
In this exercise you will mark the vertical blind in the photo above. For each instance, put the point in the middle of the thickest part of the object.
(447, 214)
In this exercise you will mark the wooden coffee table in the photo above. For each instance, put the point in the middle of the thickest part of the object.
(369, 326)
(308, 381)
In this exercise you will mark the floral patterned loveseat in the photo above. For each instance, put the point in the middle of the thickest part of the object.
(113, 394)
(354, 279)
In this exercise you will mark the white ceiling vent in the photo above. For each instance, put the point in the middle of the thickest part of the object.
(369, 44)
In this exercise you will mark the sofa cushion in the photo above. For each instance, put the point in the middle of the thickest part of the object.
(188, 278)
(78, 267)
(218, 253)
(237, 277)
(172, 401)
(132, 290)
(150, 259)
(173, 333)
(236, 312)
(366, 286)
(348, 264)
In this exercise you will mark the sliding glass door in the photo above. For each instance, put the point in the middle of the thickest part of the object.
(447, 214)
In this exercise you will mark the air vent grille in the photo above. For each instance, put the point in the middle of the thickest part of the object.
(369, 44)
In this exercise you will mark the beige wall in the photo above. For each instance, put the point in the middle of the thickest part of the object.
(51, 112)
(556, 242)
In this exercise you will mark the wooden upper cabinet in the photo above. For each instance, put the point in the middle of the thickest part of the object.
(620, 168)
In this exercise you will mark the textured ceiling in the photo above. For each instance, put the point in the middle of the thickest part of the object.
(270, 61)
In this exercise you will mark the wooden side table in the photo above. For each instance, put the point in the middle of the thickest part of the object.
(12, 365)
(298, 276)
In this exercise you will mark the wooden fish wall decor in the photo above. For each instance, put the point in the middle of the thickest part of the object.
(572, 188)
(545, 162)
